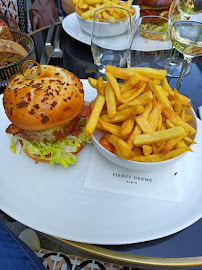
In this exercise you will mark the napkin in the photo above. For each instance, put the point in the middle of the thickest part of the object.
(163, 184)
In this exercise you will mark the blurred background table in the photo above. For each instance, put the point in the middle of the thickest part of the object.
(78, 59)
(182, 250)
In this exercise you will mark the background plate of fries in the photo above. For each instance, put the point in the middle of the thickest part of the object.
(85, 18)
(141, 123)
(81, 29)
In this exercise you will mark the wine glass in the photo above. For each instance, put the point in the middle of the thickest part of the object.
(185, 29)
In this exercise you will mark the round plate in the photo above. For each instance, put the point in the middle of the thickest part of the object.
(52, 199)
(71, 26)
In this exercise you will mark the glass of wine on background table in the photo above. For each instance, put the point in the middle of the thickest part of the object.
(185, 28)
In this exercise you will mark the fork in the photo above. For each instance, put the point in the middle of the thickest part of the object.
(57, 53)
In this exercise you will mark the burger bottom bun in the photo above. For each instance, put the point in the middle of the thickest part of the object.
(34, 157)
(154, 19)
(152, 36)
(37, 158)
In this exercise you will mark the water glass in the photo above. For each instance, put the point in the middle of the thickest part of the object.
(111, 38)
(151, 42)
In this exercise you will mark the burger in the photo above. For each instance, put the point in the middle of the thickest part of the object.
(47, 114)
(154, 8)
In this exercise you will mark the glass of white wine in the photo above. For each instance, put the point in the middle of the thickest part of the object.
(185, 29)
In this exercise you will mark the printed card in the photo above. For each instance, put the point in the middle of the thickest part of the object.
(163, 184)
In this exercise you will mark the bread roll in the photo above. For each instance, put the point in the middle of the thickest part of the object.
(10, 51)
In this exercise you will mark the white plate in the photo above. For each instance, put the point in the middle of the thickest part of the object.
(53, 200)
(71, 26)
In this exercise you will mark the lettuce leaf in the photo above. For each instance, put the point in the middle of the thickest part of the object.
(156, 28)
(60, 151)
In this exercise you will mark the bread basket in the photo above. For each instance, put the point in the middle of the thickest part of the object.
(6, 72)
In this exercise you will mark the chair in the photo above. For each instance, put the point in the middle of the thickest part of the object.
(22, 15)
(15, 13)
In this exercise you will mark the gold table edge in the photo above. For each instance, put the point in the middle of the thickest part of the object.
(42, 28)
(134, 259)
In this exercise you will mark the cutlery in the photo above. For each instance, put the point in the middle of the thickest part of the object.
(47, 51)
(200, 112)
(57, 52)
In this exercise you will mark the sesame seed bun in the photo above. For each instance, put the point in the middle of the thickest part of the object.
(51, 99)
(154, 3)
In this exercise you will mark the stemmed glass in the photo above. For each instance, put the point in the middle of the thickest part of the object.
(185, 29)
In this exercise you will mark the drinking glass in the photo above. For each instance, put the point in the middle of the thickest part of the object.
(175, 65)
(185, 29)
(111, 39)
(152, 45)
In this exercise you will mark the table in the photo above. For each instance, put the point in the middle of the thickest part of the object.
(183, 250)
(78, 59)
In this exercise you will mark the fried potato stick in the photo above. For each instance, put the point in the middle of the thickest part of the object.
(124, 114)
(121, 73)
(150, 72)
(94, 116)
(137, 130)
(110, 101)
(127, 126)
(158, 136)
(121, 146)
(161, 157)
(140, 100)
(176, 120)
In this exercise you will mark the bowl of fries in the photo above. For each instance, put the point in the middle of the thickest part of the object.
(85, 12)
(140, 124)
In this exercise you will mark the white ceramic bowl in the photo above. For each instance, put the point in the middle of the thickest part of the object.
(109, 29)
(140, 166)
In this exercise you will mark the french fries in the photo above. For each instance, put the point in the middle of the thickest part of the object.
(142, 118)
(87, 8)
(94, 116)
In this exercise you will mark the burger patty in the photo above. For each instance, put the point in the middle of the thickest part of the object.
(161, 13)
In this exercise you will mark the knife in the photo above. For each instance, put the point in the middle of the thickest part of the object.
(48, 48)
(200, 112)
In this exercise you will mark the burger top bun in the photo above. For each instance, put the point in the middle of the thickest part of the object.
(51, 99)
(154, 3)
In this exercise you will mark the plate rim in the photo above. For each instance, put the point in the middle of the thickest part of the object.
(158, 235)
(87, 38)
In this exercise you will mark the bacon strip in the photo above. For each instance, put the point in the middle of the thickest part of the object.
(70, 128)
(66, 129)
(12, 129)
(86, 110)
